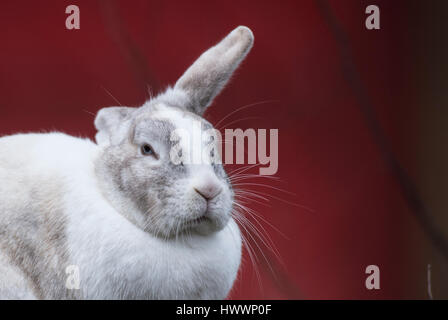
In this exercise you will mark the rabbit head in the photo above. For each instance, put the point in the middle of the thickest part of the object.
(136, 168)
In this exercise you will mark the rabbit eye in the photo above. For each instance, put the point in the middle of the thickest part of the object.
(147, 150)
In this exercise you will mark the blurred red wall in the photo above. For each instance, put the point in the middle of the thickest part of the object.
(52, 78)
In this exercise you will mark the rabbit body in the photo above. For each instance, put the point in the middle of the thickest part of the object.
(53, 215)
(118, 219)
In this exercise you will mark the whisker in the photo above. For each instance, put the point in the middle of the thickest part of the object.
(283, 200)
(110, 94)
(266, 186)
(264, 220)
(249, 248)
(89, 112)
(244, 107)
(238, 120)
(257, 245)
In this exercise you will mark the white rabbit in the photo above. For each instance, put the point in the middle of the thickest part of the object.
(129, 222)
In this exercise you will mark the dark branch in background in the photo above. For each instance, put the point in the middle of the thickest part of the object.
(430, 296)
(408, 188)
(116, 28)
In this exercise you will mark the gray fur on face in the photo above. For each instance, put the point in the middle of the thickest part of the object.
(161, 195)
(159, 190)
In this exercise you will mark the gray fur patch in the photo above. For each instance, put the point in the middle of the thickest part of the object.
(36, 244)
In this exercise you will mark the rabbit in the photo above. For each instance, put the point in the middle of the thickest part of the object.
(129, 222)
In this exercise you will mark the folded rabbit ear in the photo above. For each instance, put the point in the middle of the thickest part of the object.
(108, 121)
(203, 81)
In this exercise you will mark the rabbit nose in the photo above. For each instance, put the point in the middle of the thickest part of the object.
(208, 190)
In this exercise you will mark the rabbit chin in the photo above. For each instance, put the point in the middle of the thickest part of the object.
(206, 224)
(176, 227)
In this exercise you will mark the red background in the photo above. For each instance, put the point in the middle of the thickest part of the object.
(52, 78)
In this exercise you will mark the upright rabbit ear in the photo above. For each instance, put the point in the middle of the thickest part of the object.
(108, 121)
(203, 81)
